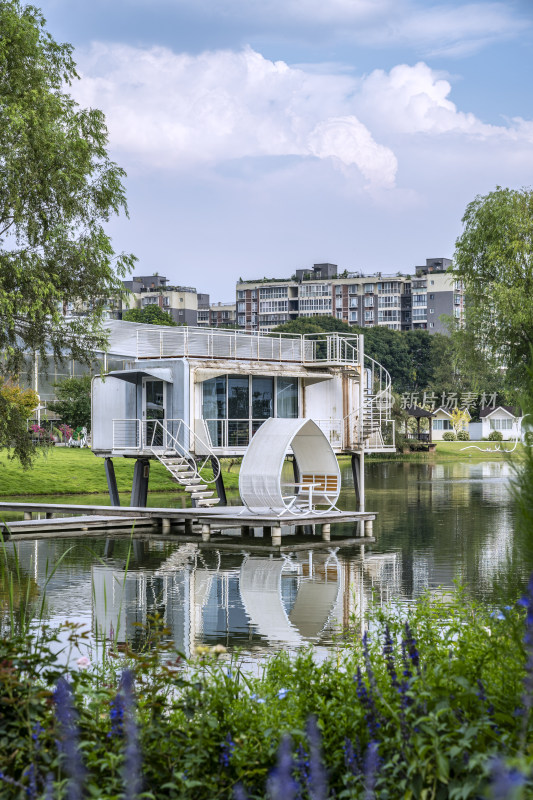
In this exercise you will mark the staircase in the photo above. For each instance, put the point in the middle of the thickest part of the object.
(184, 468)
(365, 431)
(185, 472)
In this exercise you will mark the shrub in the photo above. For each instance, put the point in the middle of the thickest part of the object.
(463, 436)
(449, 436)
(495, 436)
(423, 698)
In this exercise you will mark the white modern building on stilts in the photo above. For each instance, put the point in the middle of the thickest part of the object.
(190, 396)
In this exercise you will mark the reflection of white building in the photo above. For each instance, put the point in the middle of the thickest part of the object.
(236, 600)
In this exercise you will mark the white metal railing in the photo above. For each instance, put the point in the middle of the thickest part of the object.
(333, 430)
(158, 437)
(374, 427)
(324, 348)
(127, 434)
(236, 433)
(231, 433)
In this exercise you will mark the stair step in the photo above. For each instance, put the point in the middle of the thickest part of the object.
(193, 487)
(208, 502)
(202, 495)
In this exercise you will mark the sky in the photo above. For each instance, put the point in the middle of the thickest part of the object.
(263, 136)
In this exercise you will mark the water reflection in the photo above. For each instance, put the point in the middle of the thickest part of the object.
(437, 523)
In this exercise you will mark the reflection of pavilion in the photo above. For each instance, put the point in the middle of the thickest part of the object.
(235, 599)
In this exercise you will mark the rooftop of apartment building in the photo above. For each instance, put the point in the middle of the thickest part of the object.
(155, 283)
(330, 272)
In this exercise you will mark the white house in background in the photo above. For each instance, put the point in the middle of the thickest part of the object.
(505, 419)
(442, 423)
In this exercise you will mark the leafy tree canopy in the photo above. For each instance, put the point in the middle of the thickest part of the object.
(58, 188)
(73, 402)
(150, 315)
(494, 259)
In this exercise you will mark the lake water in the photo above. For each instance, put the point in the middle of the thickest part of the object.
(437, 523)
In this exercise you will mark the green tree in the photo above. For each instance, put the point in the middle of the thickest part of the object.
(16, 406)
(149, 315)
(494, 259)
(58, 188)
(73, 402)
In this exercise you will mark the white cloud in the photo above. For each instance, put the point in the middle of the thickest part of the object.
(415, 99)
(176, 111)
(452, 29)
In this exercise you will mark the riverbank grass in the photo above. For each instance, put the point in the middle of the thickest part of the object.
(64, 470)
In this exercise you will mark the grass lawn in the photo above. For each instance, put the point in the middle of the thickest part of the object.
(465, 449)
(62, 470)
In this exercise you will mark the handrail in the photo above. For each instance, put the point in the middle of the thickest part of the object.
(196, 465)
(163, 342)
(377, 405)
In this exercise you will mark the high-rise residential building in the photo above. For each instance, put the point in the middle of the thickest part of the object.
(399, 302)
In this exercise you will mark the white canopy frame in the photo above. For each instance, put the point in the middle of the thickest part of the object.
(261, 484)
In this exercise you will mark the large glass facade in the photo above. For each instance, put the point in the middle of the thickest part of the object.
(235, 406)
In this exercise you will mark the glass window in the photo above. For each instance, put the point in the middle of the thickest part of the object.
(214, 398)
(287, 397)
(262, 398)
(238, 397)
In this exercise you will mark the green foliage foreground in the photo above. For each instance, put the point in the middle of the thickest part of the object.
(439, 707)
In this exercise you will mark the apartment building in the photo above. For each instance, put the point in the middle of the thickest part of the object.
(181, 302)
(217, 315)
(398, 302)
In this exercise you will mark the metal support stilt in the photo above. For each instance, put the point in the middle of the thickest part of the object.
(111, 482)
(219, 484)
(355, 474)
(326, 532)
(139, 490)
(276, 537)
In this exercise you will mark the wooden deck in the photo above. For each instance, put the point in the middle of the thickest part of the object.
(98, 518)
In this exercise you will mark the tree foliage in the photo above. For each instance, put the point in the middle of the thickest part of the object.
(16, 405)
(149, 315)
(416, 360)
(494, 259)
(57, 189)
(73, 402)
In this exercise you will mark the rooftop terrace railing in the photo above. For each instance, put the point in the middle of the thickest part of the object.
(306, 349)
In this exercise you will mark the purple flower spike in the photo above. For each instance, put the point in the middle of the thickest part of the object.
(388, 652)
(49, 787)
(227, 748)
(505, 783)
(132, 753)
(371, 770)
(412, 651)
(281, 784)
(527, 602)
(318, 780)
(69, 739)
(239, 793)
